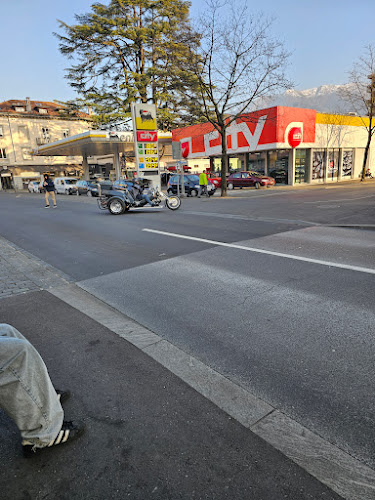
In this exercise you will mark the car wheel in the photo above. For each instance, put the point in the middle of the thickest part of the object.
(116, 206)
(193, 192)
(230, 186)
(89, 193)
(257, 185)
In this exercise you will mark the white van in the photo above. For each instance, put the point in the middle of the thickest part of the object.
(65, 185)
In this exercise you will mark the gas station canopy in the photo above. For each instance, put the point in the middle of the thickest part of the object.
(96, 143)
(91, 143)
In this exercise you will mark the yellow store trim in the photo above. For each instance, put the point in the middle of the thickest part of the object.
(353, 121)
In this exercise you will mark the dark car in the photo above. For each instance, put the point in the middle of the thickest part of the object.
(88, 188)
(280, 176)
(248, 179)
(191, 183)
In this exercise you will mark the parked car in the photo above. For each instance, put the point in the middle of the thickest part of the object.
(34, 187)
(65, 185)
(191, 183)
(88, 188)
(248, 179)
(215, 179)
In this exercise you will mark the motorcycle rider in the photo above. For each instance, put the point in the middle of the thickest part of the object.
(137, 192)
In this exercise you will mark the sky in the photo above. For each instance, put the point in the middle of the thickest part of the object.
(324, 37)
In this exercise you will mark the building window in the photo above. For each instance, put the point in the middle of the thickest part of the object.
(300, 173)
(333, 165)
(1, 131)
(319, 162)
(23, 133)
(45, 134)
(66, 132)
(19, 109)
(347, 163)
(26, 154)
(42, 111)
(3, 154)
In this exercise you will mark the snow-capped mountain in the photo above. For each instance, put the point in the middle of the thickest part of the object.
(325, 99)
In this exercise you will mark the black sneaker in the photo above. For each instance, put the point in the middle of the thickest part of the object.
(47, 206)
(62, 395)
(68, 432)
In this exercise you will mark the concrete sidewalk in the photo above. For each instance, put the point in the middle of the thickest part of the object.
(149, 435)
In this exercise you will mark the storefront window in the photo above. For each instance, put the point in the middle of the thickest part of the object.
(257, 162)
(319, 161)
(347, 163)
(278, 165)
(300, 166)
(333, 165)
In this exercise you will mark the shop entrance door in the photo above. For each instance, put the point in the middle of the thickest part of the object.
(278, 164)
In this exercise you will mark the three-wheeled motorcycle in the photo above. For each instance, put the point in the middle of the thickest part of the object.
(118, 202)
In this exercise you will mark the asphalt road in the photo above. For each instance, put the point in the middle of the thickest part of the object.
(260, 310)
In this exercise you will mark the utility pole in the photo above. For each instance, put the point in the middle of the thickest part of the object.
(177, 155)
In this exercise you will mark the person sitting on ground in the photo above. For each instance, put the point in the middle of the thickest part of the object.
(28, 396)
(49, 189)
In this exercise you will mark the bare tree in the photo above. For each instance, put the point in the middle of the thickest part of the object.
(361, 95)
(239, 62)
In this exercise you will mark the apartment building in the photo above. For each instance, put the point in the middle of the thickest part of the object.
(26, 124)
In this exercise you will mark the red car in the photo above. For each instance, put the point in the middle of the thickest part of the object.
(248, 179)
(214, 179)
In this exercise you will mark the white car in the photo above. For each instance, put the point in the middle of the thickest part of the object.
(65, 185)
(34, 187)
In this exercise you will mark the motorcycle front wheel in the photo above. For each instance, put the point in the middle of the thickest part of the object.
(173, 202)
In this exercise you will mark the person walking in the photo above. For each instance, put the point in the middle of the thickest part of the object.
(49, 190)
(203, 183)
(28, 396)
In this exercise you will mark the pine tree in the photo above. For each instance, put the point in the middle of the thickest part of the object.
(134, 50)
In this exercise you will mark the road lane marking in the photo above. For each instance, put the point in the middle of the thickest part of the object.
(256, 219)
(266, 252)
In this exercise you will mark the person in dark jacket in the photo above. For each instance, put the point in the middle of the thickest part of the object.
(49, 189)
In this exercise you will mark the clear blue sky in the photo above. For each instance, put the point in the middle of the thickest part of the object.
(324, 36)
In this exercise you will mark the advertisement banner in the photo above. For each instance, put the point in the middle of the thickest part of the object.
(145, 139)
(261, 130)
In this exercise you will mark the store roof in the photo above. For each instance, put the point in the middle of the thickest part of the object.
(28, 107)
